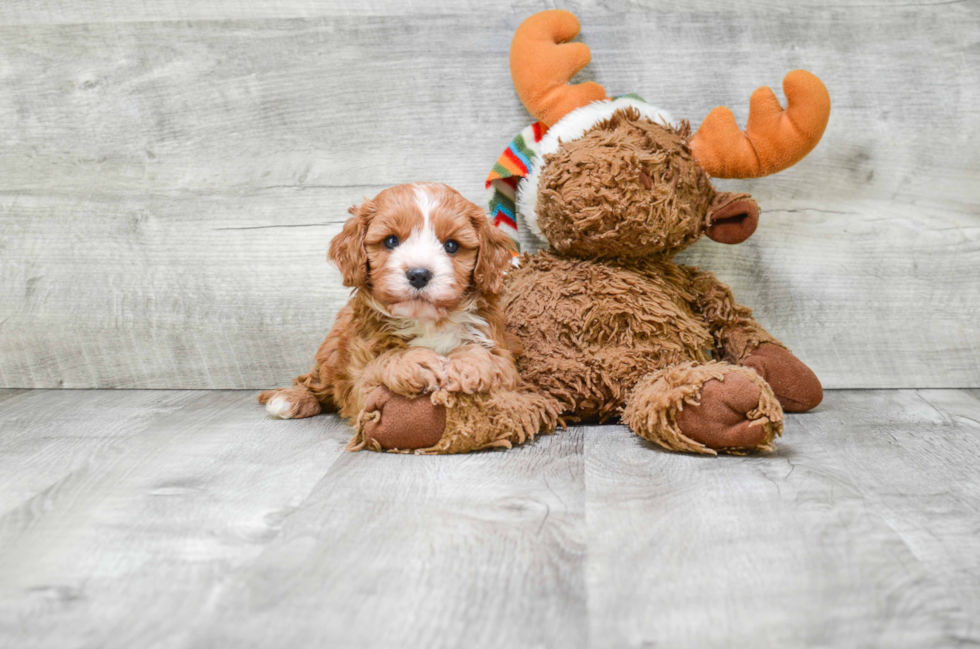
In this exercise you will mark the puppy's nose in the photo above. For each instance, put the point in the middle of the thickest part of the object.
(418, 277)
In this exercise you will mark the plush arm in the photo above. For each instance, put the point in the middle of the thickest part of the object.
(735, 331)
(741, 340)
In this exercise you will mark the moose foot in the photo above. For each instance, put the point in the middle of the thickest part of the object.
(393, 422)
(794, 384)
(705, 408)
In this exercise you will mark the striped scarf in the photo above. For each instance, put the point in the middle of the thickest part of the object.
(513, 165)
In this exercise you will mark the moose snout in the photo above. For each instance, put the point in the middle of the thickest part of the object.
(418, 277)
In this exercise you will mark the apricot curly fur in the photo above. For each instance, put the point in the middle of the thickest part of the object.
(370, 348)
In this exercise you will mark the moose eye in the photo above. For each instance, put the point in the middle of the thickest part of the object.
(391, 242)
(451, 246)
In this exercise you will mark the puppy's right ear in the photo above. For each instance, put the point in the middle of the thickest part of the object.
(347, 248)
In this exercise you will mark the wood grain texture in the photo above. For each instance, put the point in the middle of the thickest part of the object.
(186, 519)
(42, 443)
(484, 550)
(135, 132)
(175, 292)
(845, 537)
(58, 12)
(137, 506)
(207, 522)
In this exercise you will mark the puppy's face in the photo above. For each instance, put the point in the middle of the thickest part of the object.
(422, 250)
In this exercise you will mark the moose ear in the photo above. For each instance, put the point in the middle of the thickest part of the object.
(732, 218)
(347, 248)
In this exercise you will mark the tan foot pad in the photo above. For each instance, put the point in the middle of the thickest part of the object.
(794, 384)
(403, 423)
(720, 421)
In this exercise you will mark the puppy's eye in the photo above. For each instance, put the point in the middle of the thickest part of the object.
(451, 246)
(391, 242)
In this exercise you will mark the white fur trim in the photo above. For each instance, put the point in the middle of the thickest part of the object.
(572, 127)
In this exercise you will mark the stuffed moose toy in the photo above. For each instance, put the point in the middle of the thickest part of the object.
(609, 325)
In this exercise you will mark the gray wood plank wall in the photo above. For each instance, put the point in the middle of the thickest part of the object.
(171, 173)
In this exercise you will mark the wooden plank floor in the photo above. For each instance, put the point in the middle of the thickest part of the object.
(189, 519)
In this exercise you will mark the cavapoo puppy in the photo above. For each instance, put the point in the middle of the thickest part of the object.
(418, 358)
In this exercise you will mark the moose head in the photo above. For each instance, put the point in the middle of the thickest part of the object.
(618, 178)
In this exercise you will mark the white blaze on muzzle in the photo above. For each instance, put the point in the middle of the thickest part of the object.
(422, 249)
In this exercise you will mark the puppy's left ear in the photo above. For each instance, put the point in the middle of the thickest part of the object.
(494, 256)
(347, 248)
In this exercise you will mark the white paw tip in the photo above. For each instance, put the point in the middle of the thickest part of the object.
(280, 408)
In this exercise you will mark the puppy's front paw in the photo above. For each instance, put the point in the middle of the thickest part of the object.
(392, 421)
(280, 408)
(415, 372)
(474, 369)
(290, 403)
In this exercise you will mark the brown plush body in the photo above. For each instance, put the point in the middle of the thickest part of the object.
(593, 330)
(610, 326)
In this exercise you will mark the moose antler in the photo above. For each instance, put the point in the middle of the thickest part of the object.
(774, 139)
(542, 62)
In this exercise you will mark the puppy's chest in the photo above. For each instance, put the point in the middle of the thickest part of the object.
(447, 336)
